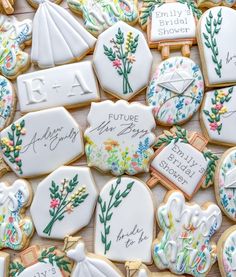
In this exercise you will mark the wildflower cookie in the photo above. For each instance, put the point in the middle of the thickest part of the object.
(16, 229)
(71, 85)
(184, 243)
(122, 61)
(170, 25)
(175, 91)
(119, 137)
(41, 261)
(218, 114)
(33, 145)
(64, 202)
(98, 16)
(217, 50)
(119, 239)
(14, 36)
(182, 162)
(88, 264)
(7, 6)
(4, 264)
(58, 37)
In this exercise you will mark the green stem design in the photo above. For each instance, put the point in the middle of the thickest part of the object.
(210, 172)
(62, 199)
(193, 7)
(115, 200)
(213, 26)
(147, 9)
(15, 269)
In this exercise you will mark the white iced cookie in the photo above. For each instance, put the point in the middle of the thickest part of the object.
(58, 38)
(40, 142)
(119, 137)
(184, 243)
(4, 264)
(64, 202)
(182, 162)
(71, 86)
(216, 46)
(218, 114)
(122, 61)
(88, 264)
(118, 239)
(16, 229)
(175, 91)
(41, 261)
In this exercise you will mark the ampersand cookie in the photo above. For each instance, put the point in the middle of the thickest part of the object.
(88, 264)
(33, 145)
(122, 61)
(16, 229)
(58, 37)
(7, 6)
(175, 91)
(170, 25)
(184, 243)
(182, 162)
(119, 138)
(100, 15)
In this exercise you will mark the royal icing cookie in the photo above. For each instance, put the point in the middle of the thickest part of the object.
(7, 6)
(7, 102)
(170, 25)
(213, 3)
(218, 114)
(184, 243)
(217, 50)
(175, 91)
(182, 162)
(40, 142)
(64, 202)
(14, 36)
(88, 264)
(70, 85)
(98, 16)
(118, 239)
(16, 229)
(4, 264)
(58, 37)
(122, 61)
(38, 261)
(119, 137)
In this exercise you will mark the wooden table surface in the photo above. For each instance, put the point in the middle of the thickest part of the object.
(24, 10)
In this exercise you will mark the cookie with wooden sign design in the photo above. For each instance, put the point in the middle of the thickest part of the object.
(4, 264)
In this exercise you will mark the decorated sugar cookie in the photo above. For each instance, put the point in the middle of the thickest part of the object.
(40, 142)
(119, 137)
(4, 264)
(182, 162)
(7, 6)
(58, 37)
(100, 15)
(70, 85)
(218, 114)
(122, 61)
(117, 238)
(16, 229)
(170, 25)
(41, 261)
(88, 264)
(14, 36)
(36, 3)
(212, 3)
(184, 243)
(175, 91)
(64, 202)
(217, 50)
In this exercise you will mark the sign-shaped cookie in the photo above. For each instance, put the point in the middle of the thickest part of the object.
(184, 243)
(118, 239)
(16, 229)
(4, 264)
(119, 138)
(217, 47)
(40, 142)
(182, 162)
(70, 86)
(170, 25)
(64, 202)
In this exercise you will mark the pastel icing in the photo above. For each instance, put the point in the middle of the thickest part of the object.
(119, 137)
(228, 255)
(211, 3)
(175, 91)
(185, 245)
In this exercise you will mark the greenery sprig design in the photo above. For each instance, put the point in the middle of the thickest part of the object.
(193, 7)
(208, 155)
(116, 197)
(213, 26)
(147, 9)
(15, 269)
